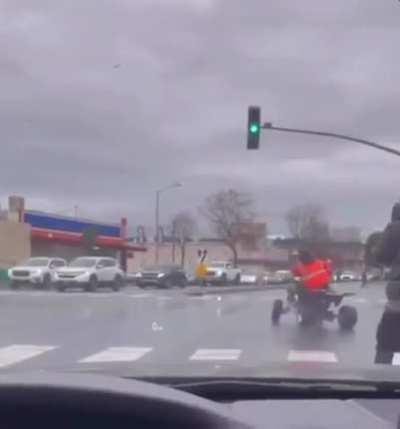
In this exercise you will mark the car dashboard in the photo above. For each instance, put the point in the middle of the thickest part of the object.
(65, 400)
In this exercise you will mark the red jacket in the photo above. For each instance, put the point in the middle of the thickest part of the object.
(314, 276)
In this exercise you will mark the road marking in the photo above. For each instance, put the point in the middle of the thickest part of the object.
(311, 356)
(18, 352)
(216, 354)
(117, 354)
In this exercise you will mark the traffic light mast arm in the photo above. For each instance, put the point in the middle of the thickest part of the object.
(268, 125)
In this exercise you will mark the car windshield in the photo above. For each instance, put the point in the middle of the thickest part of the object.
(249, 148)
(83, 263)
(37, 262)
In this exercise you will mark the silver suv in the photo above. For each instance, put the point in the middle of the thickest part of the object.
(39, 272)
(89, 273)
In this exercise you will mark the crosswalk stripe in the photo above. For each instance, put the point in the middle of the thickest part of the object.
(216, 354)
(117, 354)
(311, 356)
(18, 352)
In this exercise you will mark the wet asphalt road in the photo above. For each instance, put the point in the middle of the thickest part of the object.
(171, 328)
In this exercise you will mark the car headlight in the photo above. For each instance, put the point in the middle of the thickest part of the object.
(160, 275)
(10, 272)
(138, 275)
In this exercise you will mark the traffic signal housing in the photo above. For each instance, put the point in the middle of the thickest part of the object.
(253, 127)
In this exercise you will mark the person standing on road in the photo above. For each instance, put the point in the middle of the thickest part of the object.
(388, 254)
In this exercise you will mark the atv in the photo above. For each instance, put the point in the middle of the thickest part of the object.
(313, 308)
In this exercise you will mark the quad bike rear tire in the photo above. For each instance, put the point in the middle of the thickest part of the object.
(347, 317)
(277, 310)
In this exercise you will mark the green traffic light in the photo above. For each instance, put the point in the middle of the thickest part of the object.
(254, 128)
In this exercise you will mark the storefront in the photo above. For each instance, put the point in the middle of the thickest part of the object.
(69, 237)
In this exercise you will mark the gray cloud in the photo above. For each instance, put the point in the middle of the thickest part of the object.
(78, 130)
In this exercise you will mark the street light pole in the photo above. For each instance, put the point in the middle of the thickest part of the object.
(157, 226)
(157, 216)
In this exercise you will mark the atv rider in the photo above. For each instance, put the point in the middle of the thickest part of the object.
(311, 274)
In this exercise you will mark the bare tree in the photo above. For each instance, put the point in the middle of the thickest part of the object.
(226, 211)
(307, 222)
(183, 228)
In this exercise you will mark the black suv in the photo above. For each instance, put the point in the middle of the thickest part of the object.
(166, 276)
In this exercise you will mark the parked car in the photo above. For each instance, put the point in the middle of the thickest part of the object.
(89, 273)
(279, 277)
(347, 276)
(162, 276)
(223, 273)
(39, 272)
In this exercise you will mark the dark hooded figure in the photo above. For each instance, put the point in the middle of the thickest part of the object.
(388, 254)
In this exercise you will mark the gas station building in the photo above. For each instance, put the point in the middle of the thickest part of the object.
(25, 233)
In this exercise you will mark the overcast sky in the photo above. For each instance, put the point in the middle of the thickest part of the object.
(105, 101)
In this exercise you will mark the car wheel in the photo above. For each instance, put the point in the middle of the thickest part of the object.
(237, 279)
(93, 283)
(61, 288)
(223, 279)
(183, 283)
(117, 283)
(46, 282)
(347, 317)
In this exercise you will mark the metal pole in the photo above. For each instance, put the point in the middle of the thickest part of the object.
(269, 126)
(157, 226)
(157, 244)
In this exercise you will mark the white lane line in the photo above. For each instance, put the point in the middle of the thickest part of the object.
(19, 352)
(117, 354)
(311, 356)
(216, 354)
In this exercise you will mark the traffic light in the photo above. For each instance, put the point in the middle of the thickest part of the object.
(253, 127)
